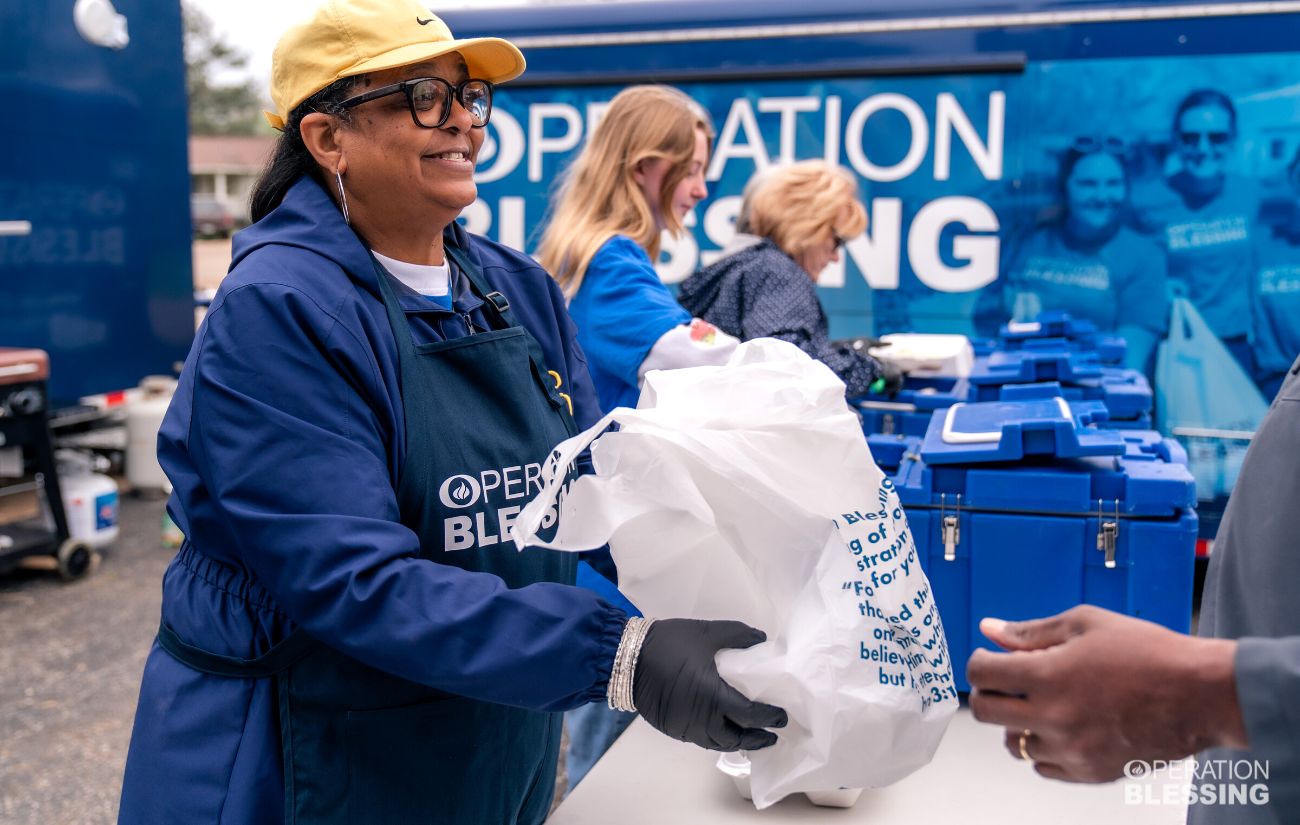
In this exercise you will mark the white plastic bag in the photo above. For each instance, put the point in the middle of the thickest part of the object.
(1201, 387)
(747, 492)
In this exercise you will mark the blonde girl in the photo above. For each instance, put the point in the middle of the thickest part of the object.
(640, 174)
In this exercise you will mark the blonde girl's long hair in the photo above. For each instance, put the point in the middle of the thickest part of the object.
(600, 198)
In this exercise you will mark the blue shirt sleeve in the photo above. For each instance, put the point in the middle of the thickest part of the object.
(622, 309)
(1268, 682)
(290, 438)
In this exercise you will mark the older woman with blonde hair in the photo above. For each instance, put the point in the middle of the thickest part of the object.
(794, 221)
(640, 174)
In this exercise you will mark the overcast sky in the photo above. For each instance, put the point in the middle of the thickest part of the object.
(254, 25)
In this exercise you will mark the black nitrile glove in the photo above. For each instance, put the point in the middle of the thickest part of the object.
(677, 688)
(893, 377)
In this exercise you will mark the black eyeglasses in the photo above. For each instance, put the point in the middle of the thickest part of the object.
(429, 99)
(1190, 139)
(839, 242)
(1088, 144)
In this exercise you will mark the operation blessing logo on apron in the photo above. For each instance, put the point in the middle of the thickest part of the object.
(490, 491)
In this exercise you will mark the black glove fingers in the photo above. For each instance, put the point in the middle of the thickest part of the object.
(756, 740)
(734, 707)
(732, 737)
(727, 634)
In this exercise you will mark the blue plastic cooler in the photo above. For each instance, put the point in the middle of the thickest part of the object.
(909, 411)
(1055, 330)
(1126, 394)
(1080, 375)
(1022, 509)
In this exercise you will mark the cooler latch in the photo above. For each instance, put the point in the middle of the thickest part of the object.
(949, 527)
(1108, 533)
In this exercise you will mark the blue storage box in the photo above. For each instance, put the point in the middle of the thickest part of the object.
(1022, 509)
(1062, 362)
(909, 411)
(1079, 376)
(1034, 366)
(1056, 330)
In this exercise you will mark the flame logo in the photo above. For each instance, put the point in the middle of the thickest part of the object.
(460, 491)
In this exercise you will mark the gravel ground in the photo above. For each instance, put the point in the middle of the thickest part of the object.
(71, 656)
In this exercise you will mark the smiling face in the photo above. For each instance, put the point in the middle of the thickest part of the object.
(396, 171)
(1205, 137)
(689, 191)
(1095, 191)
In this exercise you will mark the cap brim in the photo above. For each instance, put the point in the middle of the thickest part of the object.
(487, 58)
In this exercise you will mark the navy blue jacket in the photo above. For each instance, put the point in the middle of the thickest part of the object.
(760, 292)
(285, 444)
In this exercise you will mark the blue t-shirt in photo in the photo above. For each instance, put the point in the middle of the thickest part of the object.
(1277, 304)
(1118, 282)
(1209, 247)
(621, 309)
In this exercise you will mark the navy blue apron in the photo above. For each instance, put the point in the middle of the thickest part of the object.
(361, 745)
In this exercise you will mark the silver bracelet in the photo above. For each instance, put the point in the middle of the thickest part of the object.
(618, 695)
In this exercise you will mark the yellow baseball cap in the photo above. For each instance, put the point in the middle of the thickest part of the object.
(351, 37)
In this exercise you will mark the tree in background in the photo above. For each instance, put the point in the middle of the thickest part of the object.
(223, 99)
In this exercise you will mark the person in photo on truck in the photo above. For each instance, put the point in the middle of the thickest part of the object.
(1276, 291)
(1203, 214)
(1086, 260)
(793, 222)
(348, 634)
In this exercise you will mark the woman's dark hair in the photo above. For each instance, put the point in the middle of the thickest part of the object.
(291, 160)
(1086, 146)
(1207, 97)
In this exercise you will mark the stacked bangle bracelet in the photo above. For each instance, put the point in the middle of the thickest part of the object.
(619, 693)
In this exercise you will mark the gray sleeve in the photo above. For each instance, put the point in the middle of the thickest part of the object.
(1268, 689)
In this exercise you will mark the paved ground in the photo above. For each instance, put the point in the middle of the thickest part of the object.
(71, 656)
(211, 259)
(70, 662)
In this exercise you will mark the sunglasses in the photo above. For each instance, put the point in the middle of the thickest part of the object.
(1194, 138)
(430, 100)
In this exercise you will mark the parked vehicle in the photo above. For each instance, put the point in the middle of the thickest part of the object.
(211, 218)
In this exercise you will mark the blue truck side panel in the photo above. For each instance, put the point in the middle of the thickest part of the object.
(946, 224)
(94, 148)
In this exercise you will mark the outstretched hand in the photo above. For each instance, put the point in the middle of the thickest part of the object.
(1091, 690)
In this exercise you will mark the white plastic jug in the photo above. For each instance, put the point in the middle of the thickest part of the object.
(90, 500)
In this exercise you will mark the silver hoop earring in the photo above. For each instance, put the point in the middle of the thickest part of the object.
(343, 197)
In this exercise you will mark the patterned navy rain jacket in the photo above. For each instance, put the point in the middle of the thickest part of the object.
(760, 292)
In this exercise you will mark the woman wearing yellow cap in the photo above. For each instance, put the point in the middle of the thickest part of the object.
(348, 634)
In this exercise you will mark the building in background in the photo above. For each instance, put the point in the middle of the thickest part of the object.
(224, 168)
